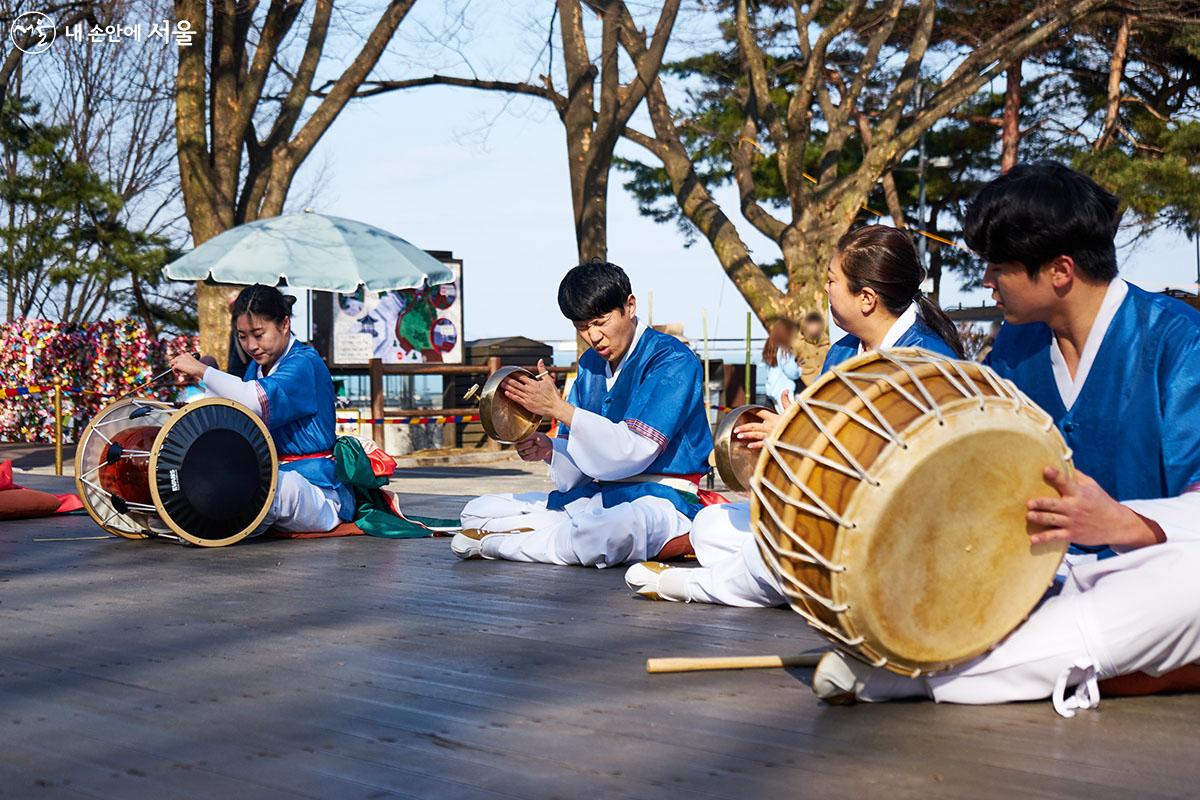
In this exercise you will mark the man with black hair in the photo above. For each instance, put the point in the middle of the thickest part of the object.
(632, 446)
(1118, 368)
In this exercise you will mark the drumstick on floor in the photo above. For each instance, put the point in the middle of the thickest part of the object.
(662, 665)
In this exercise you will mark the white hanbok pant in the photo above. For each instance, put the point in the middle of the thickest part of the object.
(732, 571)
(1136, 612)
(301, 507)
(585, 532)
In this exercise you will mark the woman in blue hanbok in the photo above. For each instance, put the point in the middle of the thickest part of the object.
(288, 385)
(874, 286)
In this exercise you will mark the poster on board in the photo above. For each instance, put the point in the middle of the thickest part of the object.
(407, 326)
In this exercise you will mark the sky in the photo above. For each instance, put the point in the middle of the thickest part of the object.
(456, 169)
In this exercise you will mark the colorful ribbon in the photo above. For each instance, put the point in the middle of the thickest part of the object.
(23, 391)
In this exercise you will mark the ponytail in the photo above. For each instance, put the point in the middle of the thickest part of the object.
(941, 323)
(885, 259)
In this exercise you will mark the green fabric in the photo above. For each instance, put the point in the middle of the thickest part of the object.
(372, 513)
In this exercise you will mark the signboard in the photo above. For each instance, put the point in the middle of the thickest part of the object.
(409, 326)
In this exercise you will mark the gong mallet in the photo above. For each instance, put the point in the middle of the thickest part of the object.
(807, 659)
(207, 360)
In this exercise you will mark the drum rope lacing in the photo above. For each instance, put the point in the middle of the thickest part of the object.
(954, 373)
(116, 514)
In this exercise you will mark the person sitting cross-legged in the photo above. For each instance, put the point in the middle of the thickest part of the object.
(633, 442)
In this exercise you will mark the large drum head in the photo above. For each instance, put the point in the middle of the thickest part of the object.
(940, 566)
(112, 481)
(890, 501)
(213, 472)
(504, 420)
(735, 460)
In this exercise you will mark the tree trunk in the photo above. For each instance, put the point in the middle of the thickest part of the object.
(143, 307)
(591, 217)
(821, 212)
(13, 267)
(936, 257)
(1010, 130)
(1116, 72)
(220, 109)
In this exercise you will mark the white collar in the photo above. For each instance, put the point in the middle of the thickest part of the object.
(610, 374)
(1068, 387)
(275, 366)
(898, 329)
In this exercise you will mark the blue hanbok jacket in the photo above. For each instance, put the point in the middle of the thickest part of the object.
(918, 335)
(298, 409)
(658, 394)
(1135, 425)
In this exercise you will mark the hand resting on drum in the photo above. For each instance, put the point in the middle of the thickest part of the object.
(1085, 514)
(535, 448)
(539, 395)
(753, 433)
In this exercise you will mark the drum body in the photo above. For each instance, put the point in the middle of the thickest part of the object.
(890, 501)
(204, 474)
(502, 419)
(735, 461)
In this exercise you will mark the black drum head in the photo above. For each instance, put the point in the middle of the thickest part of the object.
(214, 472)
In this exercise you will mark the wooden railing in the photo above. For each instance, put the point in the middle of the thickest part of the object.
(377, 369)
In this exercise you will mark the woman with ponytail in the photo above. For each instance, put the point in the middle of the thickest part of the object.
(874, 287)
(289, 387)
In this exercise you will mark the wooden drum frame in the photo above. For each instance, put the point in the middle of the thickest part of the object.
(890, 502)
(144, 468)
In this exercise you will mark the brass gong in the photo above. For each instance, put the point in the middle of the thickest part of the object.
(735, 460)
(504, 420)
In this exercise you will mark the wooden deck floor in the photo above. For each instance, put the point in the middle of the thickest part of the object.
(365, 668)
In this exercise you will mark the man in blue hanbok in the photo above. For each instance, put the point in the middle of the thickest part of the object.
(633, 444)
(1118, 368)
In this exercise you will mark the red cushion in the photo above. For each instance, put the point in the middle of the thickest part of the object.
(6, 474)
(344, 529)
(25, 503)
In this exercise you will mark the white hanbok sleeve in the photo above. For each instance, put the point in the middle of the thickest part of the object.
(1179, 517)
(565, 473)
(222, 384)
(607, 450)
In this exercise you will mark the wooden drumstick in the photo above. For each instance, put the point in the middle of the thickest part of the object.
(807, 659)
(163, 374)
